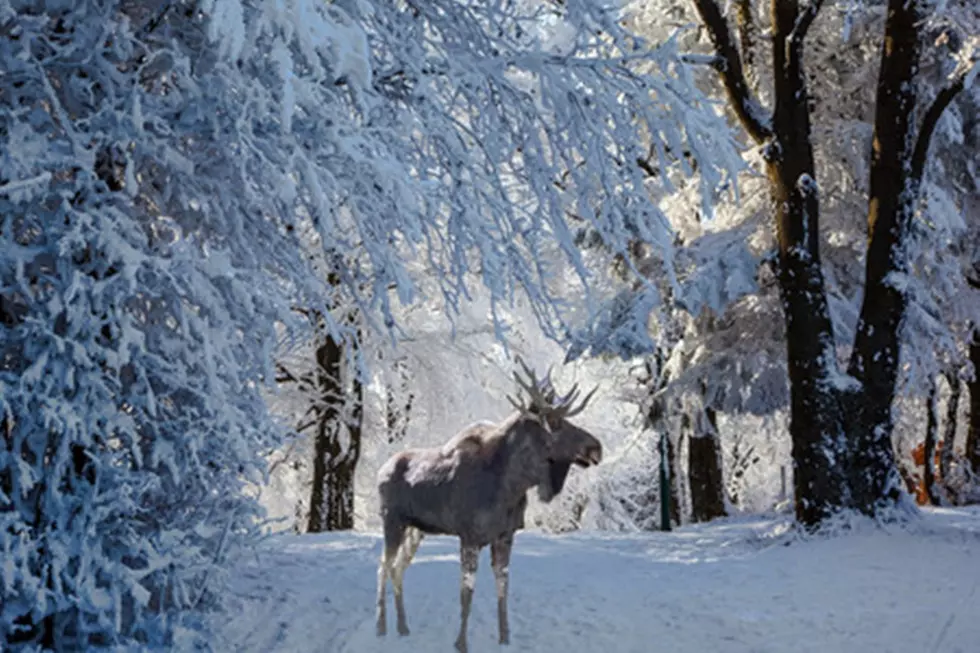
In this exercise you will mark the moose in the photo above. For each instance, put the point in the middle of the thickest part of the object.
(475, 487)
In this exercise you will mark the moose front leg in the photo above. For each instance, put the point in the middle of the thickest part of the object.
(468, 557)
(500, 561)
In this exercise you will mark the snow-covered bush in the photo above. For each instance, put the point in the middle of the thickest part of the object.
(137, 296)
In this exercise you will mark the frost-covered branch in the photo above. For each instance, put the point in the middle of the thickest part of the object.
(953, 87)
(803, 22)
(747, 35)
(750, 112)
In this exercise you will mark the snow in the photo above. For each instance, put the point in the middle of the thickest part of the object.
(741, 584)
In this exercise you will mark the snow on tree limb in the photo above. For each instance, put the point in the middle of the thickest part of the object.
(754, 118)
(953, 87)
(482, 132)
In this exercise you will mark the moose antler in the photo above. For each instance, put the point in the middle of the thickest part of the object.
(541, 393)
(543, 397)
(566, 408)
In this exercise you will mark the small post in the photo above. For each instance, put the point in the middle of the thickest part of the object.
(664, 485)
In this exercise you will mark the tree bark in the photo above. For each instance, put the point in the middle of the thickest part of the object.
(673, 465)
(656, 412)
(893, 195)
(705, 469)
(931, 443)
(949, 434)
(397, 417)
(337, 444)
(973, 427)
(816, 430)
(748, 36)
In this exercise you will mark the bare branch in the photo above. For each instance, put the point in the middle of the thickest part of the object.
(804, 21)
(974, 280)
(794, 42)
(308, 425)
(711, 60)
(284, 375)
(746, 38)
(157, 20)
(945, 96)
(746, 106)
(648, 168)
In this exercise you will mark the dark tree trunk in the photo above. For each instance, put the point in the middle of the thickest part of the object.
(973, 426)
(337, 444)
(705, 468)
(655, 421)
(325, 446)
(673, 466)
(898, 163)
(742, 461)
(949, 433)
(816, 430)
(397, 416)
(894, 191)
(931, 443)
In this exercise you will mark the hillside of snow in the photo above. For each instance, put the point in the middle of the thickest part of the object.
(737, 585)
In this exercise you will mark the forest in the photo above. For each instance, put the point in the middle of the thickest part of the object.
(251, 250)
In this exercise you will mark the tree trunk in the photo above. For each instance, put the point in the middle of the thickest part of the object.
(816, 430)
(894, 191)
(705, 468)
(397, 417)
(340, 477)
(656, 413)
(673, 465)
(742, 461)
(337, 446)
(949, 434)
(973, 426)
(931, 442)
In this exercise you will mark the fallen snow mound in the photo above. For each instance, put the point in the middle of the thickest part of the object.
(736, 585)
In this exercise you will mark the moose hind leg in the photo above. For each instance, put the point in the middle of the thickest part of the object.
(382, 626)
(468, 558)
(500, 561)
(409, 545)
(394, 533)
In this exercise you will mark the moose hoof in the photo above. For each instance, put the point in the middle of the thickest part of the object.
(461, 645)
(381, 629)
(403, 630)
(504, 640)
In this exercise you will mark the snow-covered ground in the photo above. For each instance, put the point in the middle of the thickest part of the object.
(737, 585)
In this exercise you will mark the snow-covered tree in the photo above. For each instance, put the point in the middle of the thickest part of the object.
(840, 424)
(139, 293)
(733, 345)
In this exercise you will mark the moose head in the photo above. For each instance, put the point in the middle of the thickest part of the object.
(545, 419)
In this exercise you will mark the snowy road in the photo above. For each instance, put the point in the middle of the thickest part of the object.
(741, 586)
